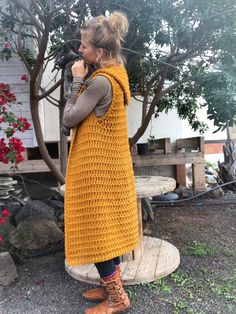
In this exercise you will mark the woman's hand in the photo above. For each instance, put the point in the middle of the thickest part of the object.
(79, 69)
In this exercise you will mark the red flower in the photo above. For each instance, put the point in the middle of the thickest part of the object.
(2, 221)
(5, 212)
(24, 77)
(11, 149)
(6, 45)
(19, 158)
(1, 237)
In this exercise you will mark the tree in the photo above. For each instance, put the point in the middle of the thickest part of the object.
(188, 50)
(38, 20)
(177, 51)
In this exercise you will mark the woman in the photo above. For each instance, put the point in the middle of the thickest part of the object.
(101, 221)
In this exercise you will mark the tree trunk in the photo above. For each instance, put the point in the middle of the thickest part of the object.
(39, 136)
(151, 110)
(63, 148)
(227, 169)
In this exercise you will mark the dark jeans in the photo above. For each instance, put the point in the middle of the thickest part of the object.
(107, 268)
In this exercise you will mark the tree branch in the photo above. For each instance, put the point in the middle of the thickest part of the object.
(14, 18)
(176, 84)
(30, 14)
(41, 6)
(20, 50)
(64, 4)
(58, 83)
(38, 10)
(49, 96)
(137, 99)
(25, 34)
(154, 102)
(52, 102)
(42, 49)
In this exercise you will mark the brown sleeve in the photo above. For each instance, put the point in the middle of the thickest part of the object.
(97, 97)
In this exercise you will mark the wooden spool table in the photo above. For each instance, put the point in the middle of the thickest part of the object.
(153, 259)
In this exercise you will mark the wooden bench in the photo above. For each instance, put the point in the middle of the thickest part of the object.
(186, 151)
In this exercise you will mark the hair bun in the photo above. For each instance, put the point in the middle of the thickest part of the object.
(118, 24)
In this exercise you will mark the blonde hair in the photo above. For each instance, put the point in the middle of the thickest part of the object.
(108, 34)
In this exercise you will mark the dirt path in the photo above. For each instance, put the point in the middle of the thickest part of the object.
(204, 231)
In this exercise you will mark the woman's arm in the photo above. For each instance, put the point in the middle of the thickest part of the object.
(78, 108)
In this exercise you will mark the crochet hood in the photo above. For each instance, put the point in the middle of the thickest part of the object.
(119, 73)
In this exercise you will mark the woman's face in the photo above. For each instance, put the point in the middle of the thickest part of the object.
(89, 53)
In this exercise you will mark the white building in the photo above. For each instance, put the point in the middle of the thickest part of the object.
(166, 125)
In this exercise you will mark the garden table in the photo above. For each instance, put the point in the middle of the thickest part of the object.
(153, 259)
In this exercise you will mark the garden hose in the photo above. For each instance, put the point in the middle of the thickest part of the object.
(194, 196)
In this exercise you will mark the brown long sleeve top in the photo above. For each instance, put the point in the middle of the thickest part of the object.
(97, 98)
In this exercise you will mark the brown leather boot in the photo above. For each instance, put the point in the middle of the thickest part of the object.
(117, 302)
(98, 294)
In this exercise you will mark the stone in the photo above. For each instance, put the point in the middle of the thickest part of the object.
(147, 231)
(217, 193)
(62, 189)
(34, 234)
(8, 271)
(147, 209)
(35, 209)
(54, 203)
(210, 179)
(57, 194)
(61, 217)
(184, 192)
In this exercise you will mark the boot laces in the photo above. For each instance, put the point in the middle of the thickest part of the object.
(114, 290)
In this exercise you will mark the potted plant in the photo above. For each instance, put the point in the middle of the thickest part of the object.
(151, 143)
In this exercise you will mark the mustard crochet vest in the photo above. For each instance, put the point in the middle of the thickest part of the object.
(101, 220)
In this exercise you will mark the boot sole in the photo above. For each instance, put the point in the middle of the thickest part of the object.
(126, 311)
(93, 300)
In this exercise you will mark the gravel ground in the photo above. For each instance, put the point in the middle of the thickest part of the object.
(205, 233)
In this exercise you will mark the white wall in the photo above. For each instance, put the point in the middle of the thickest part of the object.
(168, 125)
(50, 113)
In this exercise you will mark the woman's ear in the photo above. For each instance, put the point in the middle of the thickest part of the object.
(100, 54)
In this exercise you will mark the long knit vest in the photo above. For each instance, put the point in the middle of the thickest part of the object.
(101, 220)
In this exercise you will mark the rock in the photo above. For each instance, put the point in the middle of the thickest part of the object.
(61, 190)
(217, 193)
(34, 234)
(54, 203)
(57, 194)
(61, 217)
(184, 192)
(17, 259)
(147, 231)
(147, 209)
(210, 179)
(35, 209)
(8, 271)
